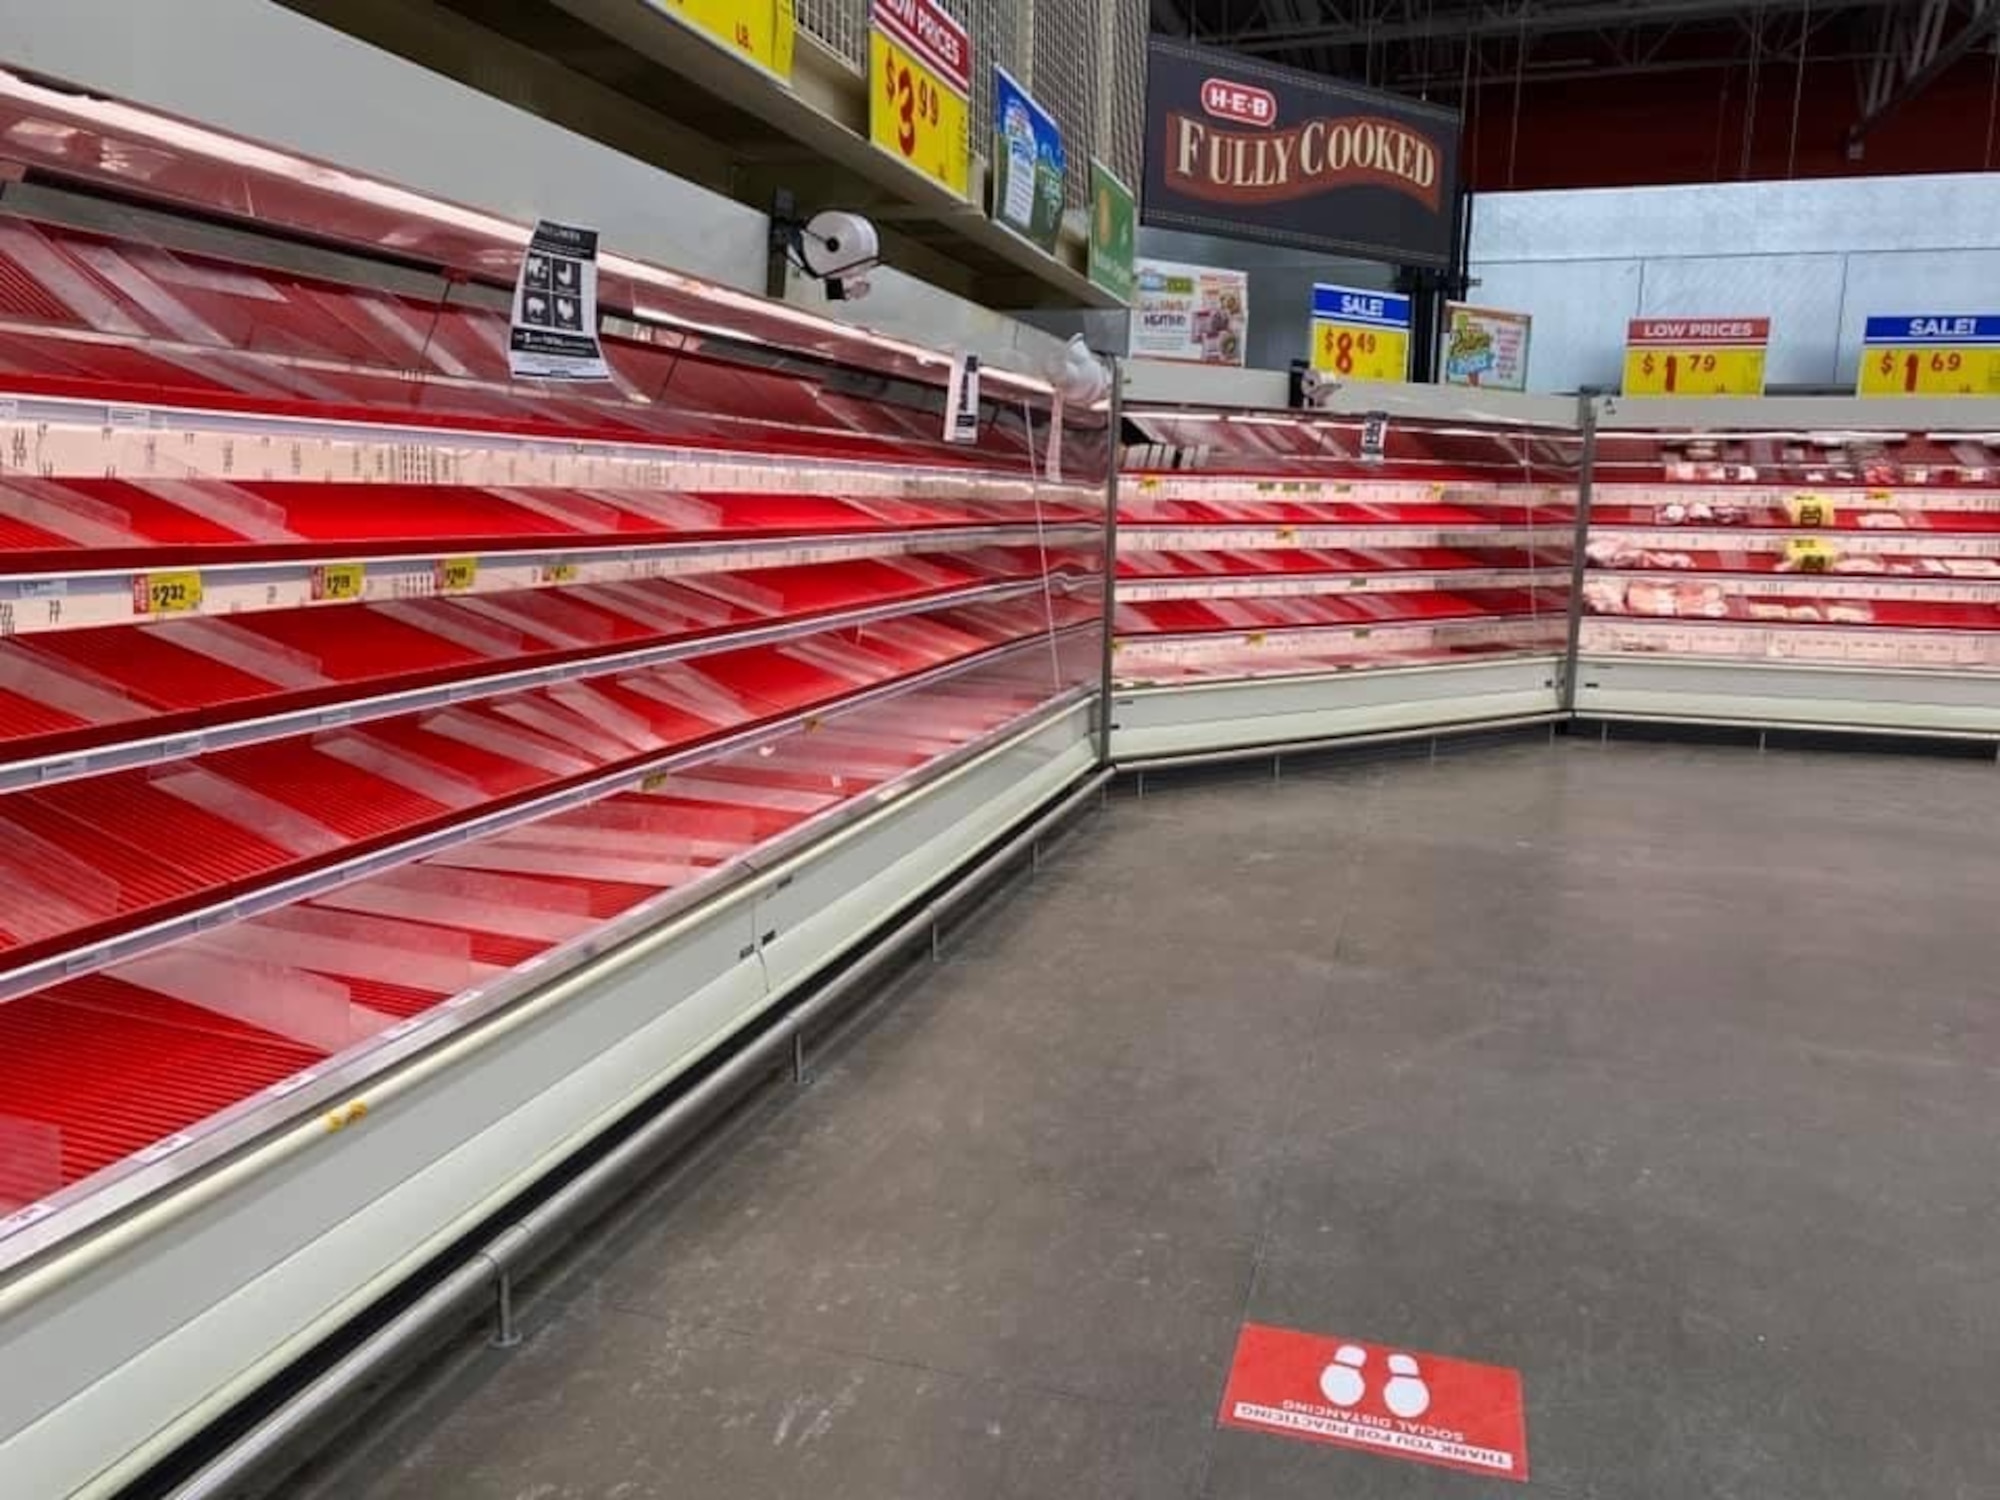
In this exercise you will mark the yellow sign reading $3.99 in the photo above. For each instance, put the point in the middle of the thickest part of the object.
(920, 89)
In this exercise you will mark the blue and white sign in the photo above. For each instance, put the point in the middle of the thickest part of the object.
(1346, 304)
(1359, 334)
(1933, 328)
(1028, 164)
(1930, 354)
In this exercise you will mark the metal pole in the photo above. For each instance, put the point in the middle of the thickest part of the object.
(1586, 417)
(1110, 557)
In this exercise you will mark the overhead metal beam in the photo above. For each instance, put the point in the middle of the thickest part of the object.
(1514, 19)
(1924, 59)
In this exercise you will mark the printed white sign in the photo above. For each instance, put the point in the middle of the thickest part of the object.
(1200, 314)
(554, 332)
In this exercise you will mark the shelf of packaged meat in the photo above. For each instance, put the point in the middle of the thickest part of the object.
(1258, 543)
(1838, 549)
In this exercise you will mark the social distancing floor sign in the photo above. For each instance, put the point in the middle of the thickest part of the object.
(1395, 1402)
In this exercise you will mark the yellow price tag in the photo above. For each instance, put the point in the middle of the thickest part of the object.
(562, 572)
(1696, 356)
(1810, 510)
(176, 593)
(1147, 486)
(920, 88)
(1811, 554)
(1286, 534)
(764, 31)
(1894, 370)
(1351, 352)
(457, 574)
(347, 580)
(1255, 638)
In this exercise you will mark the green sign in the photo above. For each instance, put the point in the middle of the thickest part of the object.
(1113, 234)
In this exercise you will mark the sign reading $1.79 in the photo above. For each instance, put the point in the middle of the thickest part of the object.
(920, 89)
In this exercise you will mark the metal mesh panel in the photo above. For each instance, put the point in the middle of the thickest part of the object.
(1083, 60)
(842, 25)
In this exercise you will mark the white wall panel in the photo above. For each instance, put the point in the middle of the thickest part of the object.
(1816, 257)
(1800, 294)
(1947, 211)
(1573, 303)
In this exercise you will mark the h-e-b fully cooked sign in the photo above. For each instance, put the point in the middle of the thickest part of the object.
(1255, 151)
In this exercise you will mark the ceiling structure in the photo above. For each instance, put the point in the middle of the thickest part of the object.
(1825, 80)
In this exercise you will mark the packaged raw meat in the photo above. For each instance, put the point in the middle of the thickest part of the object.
(1701, 601)
(1605, 596)
(1648, 598)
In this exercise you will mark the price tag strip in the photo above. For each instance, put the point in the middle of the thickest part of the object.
(1319, 585)
(1171, 487)
(920, 89)
(1930, 354)
(1525, 631)
(1313, 538)
(1792, 641)
(1773, 500)
(54, 438)
(1696, 356)
(1811, 580)
(35, 603)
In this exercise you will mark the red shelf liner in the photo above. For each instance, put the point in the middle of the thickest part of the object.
(369, 648)
(166, 855)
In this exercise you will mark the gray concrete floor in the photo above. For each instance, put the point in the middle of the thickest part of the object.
(1664, 1075)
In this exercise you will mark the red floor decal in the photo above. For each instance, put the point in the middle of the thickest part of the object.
(1423, 1407)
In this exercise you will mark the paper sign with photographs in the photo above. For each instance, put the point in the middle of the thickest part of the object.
(554, 331)
(1197, 314)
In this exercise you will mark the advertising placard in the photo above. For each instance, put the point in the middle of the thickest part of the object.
(1696, 356)
(1486, 347)
(1930, 354)
(1028, 164)
(1359, 334)
(920, 89)
(763, 31)
(553, 333)
(1199, 314)
(1245, 148)
(1114, 237)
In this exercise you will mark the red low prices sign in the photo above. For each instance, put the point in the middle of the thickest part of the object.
(1395, 1402)
(1696, 356)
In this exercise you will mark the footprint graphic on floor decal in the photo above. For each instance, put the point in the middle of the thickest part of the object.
(1341, 1382)
(1406, 1394)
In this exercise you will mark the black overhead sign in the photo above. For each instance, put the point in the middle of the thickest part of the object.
(1252, 150)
